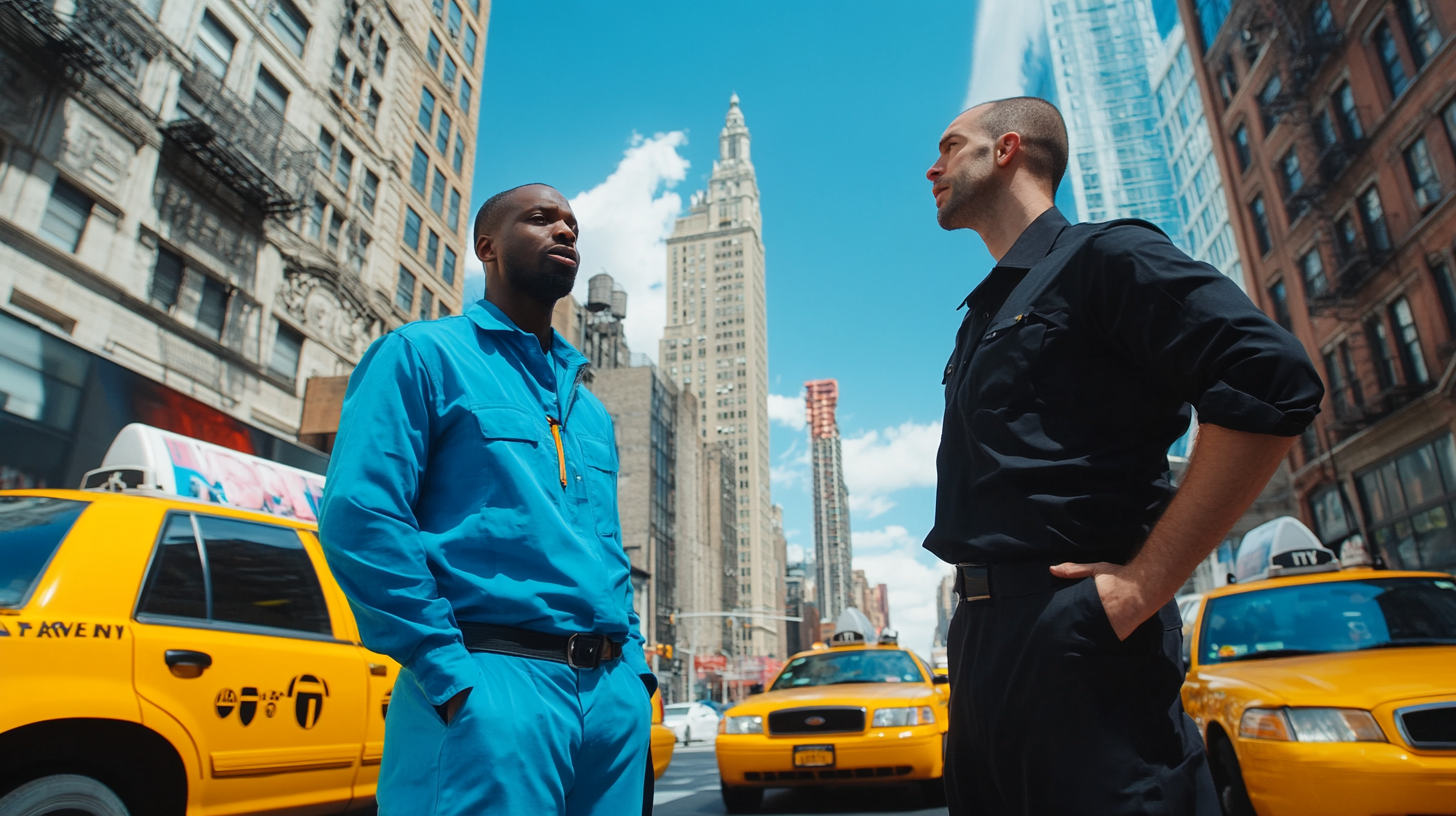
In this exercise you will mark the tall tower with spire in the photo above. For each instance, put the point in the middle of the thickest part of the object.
(715, 344)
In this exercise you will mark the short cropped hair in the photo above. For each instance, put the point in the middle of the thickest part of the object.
(1042, 130)
(494, 209)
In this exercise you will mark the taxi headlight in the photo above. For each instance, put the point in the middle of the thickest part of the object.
(894, 717)
(752, 724)
(1310, 725)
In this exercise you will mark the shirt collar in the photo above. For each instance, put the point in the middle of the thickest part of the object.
(490, 318)
(1035, 241)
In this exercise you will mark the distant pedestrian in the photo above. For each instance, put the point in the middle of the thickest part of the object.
(1073, 372)
(470, 515)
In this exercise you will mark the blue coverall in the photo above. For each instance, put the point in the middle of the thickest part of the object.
(474, 479)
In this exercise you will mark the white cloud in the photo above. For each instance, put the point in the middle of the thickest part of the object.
(787, 411)
(1005, 31)
(892, 556)
(792, 468)
(625, 222)
(878, 463)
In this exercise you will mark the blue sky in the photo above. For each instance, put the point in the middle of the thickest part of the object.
(845, 101)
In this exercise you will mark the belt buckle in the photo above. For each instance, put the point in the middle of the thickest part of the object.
(586, 646)
(977, 587)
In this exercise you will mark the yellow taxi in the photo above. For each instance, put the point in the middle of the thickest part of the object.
(855, 713)
(1325, 690)
(664, 741)
(163, 651)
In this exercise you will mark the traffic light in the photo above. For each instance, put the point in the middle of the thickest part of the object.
(664, 650)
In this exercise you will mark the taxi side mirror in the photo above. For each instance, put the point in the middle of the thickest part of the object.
(756, 688)
(940, 679)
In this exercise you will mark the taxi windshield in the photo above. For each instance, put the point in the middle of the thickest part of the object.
(859, 666)
(31, 529)
(1335, 616)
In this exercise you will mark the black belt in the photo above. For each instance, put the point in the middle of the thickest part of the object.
(579, 651)
(979, 582)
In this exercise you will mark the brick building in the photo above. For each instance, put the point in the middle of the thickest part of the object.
(1334, 124)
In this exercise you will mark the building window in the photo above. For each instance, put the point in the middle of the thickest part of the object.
(452, 217)
(412, 225)
(358, 249)
(1331, 521)
(1448, 117)
(213, 48)
(468, 49)
(344, 169)
(371, 112)
(1261, 224)
(437, 195)
(166, 280)
(1313, 267)
(1372, 217)
(1324, 129)
(1344, 383)
(447, 272)
(432, 51)
(341, 68)
(426, 116)
(1420, 29)
(1309, 443)
(439, 8)
(1446, 291)
(1408, 343)
(1380, 353)
(336, 225)
(419, 170)
(1228, 79)
(427, 302)
(66, 214)
(1293, 182)
(1349, 115)
(458, 159)
(1241, 146)
(1280, 299)
(313, 226)
(465, 92)
(432, 249)
(269, 94)
(1324, 18)
(381, 55)
(449, 74)
(442, 134)
(453, 21)
(289, 24)
(287, 348)
(326, 150)
(404, 290)
(212, 309)
(1422, 172)
(369, 191)
(475, 7)
(443, 310)
(1347, 239)
(1406, 509)
(1390, 64)
(1267, 98)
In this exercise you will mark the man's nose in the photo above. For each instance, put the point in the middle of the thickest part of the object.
(563, 234)
(935, 172)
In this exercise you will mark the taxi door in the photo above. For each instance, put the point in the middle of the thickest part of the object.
(235, 639)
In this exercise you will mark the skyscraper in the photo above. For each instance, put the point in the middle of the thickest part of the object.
(1118, 165)
(715, 345)
(833, 550)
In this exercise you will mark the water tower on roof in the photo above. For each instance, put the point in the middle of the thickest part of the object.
(604, 343)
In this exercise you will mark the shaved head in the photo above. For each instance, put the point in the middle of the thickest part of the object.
(488, 219)
(1043, 133)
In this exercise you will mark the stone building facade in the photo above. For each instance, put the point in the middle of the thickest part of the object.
(229, 197)
(1335, 127)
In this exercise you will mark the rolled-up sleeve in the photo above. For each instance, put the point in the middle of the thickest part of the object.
(1196, 330)
(368, 527)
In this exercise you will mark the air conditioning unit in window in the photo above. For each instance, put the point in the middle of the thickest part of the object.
(1427, 195)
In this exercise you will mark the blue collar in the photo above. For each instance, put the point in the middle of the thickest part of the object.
(490, 318)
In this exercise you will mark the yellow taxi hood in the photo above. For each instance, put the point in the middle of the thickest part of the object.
(869, 695)
(1363, 679)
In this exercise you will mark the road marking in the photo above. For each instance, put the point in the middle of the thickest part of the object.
(663, 797)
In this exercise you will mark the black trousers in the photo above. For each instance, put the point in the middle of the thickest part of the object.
(1051, 714)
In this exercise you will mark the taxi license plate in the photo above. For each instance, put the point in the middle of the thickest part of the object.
(814, 756)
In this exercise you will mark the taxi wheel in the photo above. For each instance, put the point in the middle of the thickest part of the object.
(62, 793)
(737, 800)
(1228, 778)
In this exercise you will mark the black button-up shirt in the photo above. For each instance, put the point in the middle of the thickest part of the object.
(1073, 373)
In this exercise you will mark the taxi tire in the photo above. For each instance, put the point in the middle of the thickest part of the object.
(1228, 780)
(64, 793)
(740, 799)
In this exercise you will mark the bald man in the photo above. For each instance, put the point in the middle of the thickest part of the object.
(470, 515)
(1073, 372)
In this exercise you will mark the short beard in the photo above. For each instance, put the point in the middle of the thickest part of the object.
(548, 282)
(969, 196)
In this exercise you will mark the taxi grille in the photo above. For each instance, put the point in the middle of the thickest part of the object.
(823, 720)
(834, 773)
(1428, 726)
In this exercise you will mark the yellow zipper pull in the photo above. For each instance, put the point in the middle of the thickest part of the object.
(560, 451)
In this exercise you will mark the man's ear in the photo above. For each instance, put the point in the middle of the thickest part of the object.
(485, 249)
(1007, 147)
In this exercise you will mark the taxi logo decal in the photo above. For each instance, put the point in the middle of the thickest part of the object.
(248, 705)
(384, 704)
(308, 693)
(814, 721)
(3, 631)
(225, 702)
(66, 629)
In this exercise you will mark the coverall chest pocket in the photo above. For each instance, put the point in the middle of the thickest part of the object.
(601, 482)
(1001, 367)
(511, 440)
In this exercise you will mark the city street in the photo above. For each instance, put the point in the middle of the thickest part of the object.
(691, 786)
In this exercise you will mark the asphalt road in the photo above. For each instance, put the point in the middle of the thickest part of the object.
(690, 786)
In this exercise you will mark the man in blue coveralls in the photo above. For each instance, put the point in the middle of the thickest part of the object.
(470, 515)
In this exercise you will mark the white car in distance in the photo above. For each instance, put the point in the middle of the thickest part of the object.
(691, 721)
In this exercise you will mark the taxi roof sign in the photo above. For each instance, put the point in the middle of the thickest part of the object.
(852, 628)
(143, 457)
(1283, 546)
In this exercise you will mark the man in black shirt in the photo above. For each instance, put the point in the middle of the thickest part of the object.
(1073, 372)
